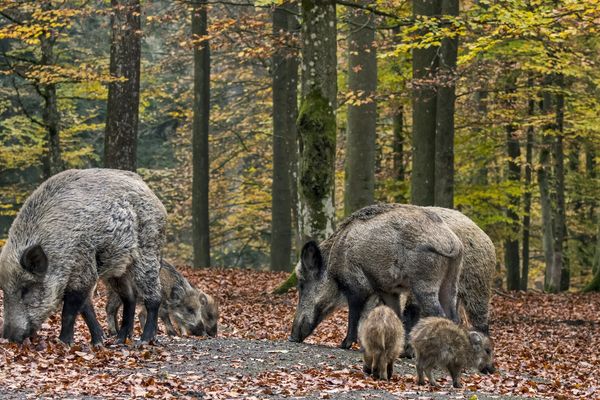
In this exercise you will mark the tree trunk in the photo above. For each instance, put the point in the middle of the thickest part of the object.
(559, 168)
(481, 175)
(200, 132)
(425, 64)
(553, 274)
(444, 114)
(53, 162)
(594, 285)
(511, 245)
(527, 197)
(316, 120)
(283, 145)
(120, 141)
(362, 118)
(398, 144)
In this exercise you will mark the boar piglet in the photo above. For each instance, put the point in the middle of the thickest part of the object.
(438, 342)
(76, 227)
(381, 336)
(184, 309)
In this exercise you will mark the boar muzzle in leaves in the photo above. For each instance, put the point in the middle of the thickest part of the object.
(383, 250)
(76, 227)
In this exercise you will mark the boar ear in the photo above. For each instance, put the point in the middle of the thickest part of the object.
(475, 338)
(311, 256)
(34, 260)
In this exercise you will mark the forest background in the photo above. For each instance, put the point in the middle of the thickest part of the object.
(317, 109)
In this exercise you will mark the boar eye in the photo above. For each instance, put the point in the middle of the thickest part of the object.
(190, 310)
(24, 291)
(488, 351)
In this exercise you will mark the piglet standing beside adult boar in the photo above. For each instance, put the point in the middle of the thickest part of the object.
(384, 250)
(184, 308)
(438, 342)
(75, 228)
(382, 338)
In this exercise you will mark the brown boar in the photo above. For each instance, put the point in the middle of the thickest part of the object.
(184, 309)
(439, 342)
(381, 336)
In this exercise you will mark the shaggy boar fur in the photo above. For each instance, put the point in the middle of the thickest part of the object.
(184, 308)
(382, 338)
(77, 227)
(381, 249)
(438, 342)
(475, 281)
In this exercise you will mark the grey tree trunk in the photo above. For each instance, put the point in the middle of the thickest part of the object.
(284, 143)
(53, 162)
(527, 197)
(120, 140)
(200, 132)
(316, 119)
(511, 245)
(398, 143)
(425, 63)
(559, 170)
(553, 271)
(362, 119)
(444, 114)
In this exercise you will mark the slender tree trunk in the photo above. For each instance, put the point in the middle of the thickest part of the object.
(425, 63)
(552, 276)
(481, 175)
(511, 245)
(316, 120)
(120, 143)
(398, 143)
(200, 134)
(283, 143)
(362, 119)
(594, 285)
(53, 162)
(444, 114)
(559, 168)
(527, 197)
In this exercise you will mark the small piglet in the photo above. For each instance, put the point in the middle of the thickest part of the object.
(439, 342)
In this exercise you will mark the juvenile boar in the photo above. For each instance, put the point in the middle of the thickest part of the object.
(383, 250)
(382, 337)
(438, 342)
(184, 308)
(77, 227)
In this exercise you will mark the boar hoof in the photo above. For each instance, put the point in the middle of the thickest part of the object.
(346, 344)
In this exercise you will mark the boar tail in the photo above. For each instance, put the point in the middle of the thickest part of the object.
(454, 251)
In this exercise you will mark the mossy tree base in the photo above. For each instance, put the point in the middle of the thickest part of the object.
(289, 283)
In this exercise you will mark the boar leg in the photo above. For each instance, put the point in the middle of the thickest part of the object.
(89, 316)
(455, 373)
(126, 329)
(356, 306)
(367, 363)
(112, 310)
(72, 305)
(390, 369)
(432, 380)
(165, 317)
(449, 289)
(420, 375)
(428, 299)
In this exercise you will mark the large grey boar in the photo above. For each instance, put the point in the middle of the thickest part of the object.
(382, 338)
(75, 228)
(438, 342)
(477, 273)
(384, 250)
(184, 309)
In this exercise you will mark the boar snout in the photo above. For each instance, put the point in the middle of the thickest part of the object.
(212, 331)
(198, 330)
(301, 330)
(488, 369)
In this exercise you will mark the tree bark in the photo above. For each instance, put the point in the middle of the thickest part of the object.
(398, 143)
(511, 245)
(559, 169)
(594, 285)
(553, 270)
(284, 138)
(444, 114)
(200, 135)
(120, 143)
(362, 118)
(527, 197)
(53, 162)
(425, 63)
(316, 119)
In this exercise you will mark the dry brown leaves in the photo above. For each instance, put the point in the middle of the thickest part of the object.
(545, 346)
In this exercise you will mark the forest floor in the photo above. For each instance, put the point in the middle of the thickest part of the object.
(546, 346)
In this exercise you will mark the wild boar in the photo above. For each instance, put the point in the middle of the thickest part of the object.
(438, 342)
(184, 308)
(383, 250)
(381, 336)
(75, 228)
(475, 280)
